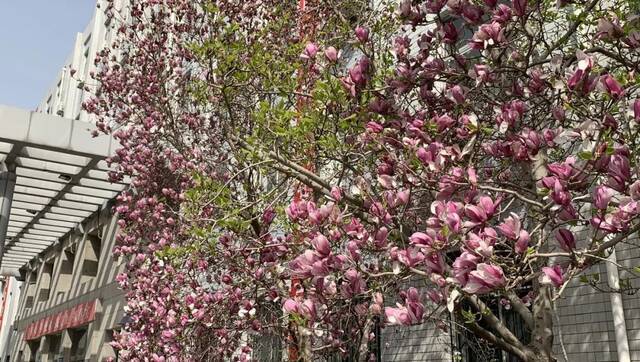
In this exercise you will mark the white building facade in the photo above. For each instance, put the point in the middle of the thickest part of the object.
(65, 305)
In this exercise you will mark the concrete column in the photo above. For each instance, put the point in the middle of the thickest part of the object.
(65, 344)
(7, 185)
(43, 349)
(617, 308)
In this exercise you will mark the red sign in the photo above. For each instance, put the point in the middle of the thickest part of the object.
(73, 317)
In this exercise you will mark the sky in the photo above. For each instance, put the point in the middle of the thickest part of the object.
(36, 37)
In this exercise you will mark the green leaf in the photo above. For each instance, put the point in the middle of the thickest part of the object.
(585, 155)
(469, 317)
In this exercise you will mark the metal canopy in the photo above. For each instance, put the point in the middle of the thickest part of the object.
(61, 179)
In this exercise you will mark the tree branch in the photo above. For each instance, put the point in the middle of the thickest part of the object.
(572, 29)
(491, 338)
(514, 193)
(617, 239)
(521, 309)
(495, 323)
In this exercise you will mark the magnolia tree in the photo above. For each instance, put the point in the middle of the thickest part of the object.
(310, 172)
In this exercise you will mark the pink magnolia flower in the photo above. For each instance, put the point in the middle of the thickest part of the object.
(472, 13)
(628, 206)
(403, 197)
(302, 266)
(481, 212)
(565, 170)
(619, 172)
(566, 239)
(308, 309)
(601, 196)
(520, 7)
(318, 215)
(168, 334)
(336, 193)
(610, 223)
(482, 246)
(522, 244)
(537, 84)
(510, 228)
(457, 93)
(321, 245)
(436, 296)
(414, 305)
(609, 29)
(476, 213)
(463, 265)
(331, 54)
(490, 3)
(290, 306)
(636, 110)
(612, 86)
(410, 257)
(407, 315)
(397, 316)
(449, 33)
(374, 127)
(488, 35)
(435, 263)
(582, 71)
(559, 194)
(356, 75)
(484, 279)
(502, 13)
(380, 237)
(447, 214)
(353, 285)
(354, 250)
(634, 190)
(362, 34)
(297, 210)
(444, 122)
(553, 275)
(421, 239)
(310, 51)
(482, 73)
(567, 213)
(473, 176)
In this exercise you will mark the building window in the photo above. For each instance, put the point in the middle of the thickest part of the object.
(78, 344)
(45, 282)
(33, 349)
(31, 289)
(54, 341)
(66, 271)
(91, 257)
(109, 337)
(48, 105)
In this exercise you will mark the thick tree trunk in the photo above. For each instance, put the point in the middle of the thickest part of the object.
(363, 350)
(541, 346)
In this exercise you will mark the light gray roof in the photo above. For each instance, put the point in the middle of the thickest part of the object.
(61, 179)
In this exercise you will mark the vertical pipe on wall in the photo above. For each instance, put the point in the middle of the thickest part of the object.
(7, 185)
(617, 309)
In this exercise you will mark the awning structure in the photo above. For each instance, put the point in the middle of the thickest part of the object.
(60, 180)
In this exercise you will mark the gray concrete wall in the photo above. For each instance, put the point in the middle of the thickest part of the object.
(628, 255)
(586, 322)
(423, 342)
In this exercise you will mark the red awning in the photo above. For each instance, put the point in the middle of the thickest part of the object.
(76, 316)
